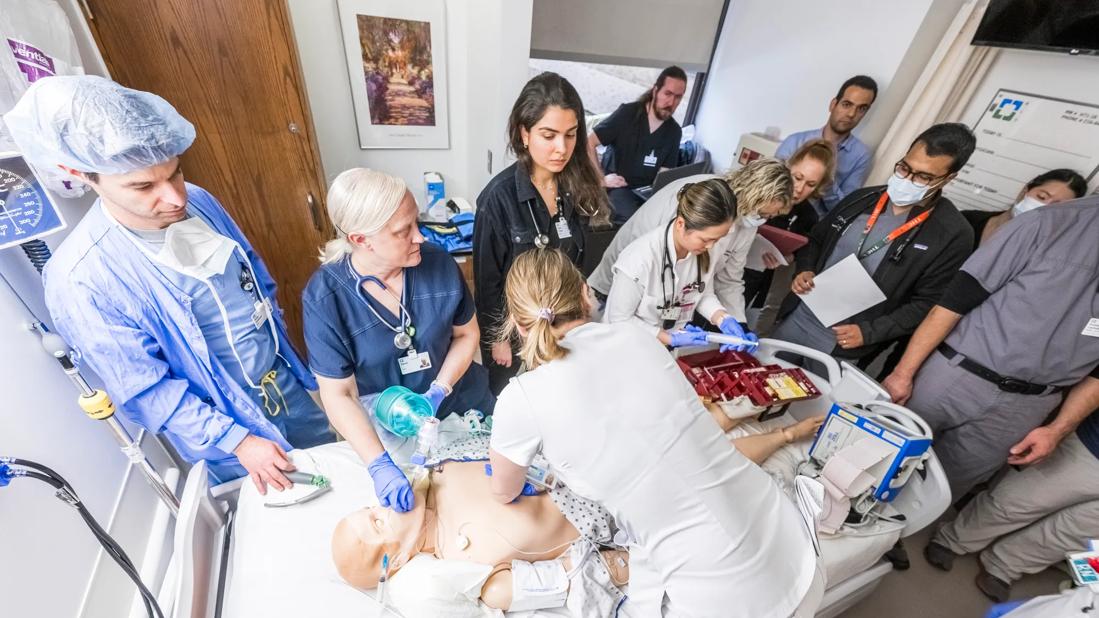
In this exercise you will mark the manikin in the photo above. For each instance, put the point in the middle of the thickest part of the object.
(456, 518)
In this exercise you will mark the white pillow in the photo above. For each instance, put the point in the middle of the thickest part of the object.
(428, 586)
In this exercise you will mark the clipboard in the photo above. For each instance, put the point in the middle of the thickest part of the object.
(784, 241)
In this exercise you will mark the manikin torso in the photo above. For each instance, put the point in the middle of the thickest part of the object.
(470, 524)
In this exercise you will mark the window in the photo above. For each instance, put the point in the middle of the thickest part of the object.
(603, 87)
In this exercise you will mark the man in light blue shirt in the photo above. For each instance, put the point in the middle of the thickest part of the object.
(159, 291)
(853, 160)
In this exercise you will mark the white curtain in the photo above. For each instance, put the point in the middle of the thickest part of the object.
(943, 90)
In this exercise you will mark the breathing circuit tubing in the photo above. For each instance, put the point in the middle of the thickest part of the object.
(13, 467)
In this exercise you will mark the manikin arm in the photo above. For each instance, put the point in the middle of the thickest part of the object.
(759, 447)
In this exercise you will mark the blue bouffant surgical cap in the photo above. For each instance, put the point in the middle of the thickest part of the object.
(92, 124)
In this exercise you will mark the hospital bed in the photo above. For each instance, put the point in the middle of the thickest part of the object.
(233, 557)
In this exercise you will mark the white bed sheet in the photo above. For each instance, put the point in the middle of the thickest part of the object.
(280, 561)
(842, 556)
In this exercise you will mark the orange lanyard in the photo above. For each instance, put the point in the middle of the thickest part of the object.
(895, 234)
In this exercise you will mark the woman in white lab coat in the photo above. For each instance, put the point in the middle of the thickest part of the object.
(667, 274)
(710, 534)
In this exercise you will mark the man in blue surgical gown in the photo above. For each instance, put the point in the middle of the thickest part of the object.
(159, 291)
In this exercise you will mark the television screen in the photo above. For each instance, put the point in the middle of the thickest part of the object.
(1055, 25)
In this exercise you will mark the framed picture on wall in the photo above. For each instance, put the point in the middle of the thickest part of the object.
(396, 59)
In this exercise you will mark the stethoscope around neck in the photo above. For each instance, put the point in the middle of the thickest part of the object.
(403, 330)
(668, 265)
(541, 239)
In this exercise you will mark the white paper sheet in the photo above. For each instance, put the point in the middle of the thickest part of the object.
(759, 247)
(842, 291)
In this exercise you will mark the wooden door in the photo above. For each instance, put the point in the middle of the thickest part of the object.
(231, 68)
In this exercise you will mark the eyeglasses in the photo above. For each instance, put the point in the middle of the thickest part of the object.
(920, 179)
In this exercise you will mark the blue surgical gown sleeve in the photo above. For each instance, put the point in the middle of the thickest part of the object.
(329, 354)
(136, 375)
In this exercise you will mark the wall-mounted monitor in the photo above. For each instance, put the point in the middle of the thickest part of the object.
(1069, 26)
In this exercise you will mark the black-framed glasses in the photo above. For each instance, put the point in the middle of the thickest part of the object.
(920, 179)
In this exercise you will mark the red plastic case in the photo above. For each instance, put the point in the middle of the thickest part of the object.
(724, 376)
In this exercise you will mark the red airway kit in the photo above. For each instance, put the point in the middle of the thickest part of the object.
(724, 376)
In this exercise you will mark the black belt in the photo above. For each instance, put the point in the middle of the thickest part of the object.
(1008, 385)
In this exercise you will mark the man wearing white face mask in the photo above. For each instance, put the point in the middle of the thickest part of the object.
(158, 289)
(908, 237)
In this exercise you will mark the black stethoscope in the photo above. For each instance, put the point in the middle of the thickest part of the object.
(841, 224)
(541, 240)
(668, 265)
(404, 330)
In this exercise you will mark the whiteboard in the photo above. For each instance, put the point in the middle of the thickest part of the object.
(1020, 136)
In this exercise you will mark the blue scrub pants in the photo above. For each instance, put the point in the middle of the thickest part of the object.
(302, 423)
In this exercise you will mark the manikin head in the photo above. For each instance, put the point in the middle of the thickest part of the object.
(124, 143)
(375, 217)
(363, 537)
(812, 168)
(851, 103)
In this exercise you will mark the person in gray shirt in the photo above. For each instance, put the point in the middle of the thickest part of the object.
(1017, 326)
(906, 235)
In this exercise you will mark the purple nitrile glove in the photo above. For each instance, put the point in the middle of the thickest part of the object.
(390, 484)
(731, 326)
(528, 489)
(435, 395)
(689, 336)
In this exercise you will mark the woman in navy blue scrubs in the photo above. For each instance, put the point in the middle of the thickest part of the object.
(387, 308)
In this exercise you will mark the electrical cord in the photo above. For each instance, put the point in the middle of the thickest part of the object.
(68, 495)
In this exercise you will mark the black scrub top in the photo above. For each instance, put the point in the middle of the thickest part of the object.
(638, 154)
(504, 228)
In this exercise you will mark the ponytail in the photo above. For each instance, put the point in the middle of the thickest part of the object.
(543, 291)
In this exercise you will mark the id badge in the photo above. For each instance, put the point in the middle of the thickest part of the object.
(414, 362)
(650, 159)
(261, 313)
(1092, 329)
(563, 230)
(670, 313)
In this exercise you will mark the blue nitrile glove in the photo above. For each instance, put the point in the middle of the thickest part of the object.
(390, 485)
(690, 335)
(730, 326)
(435, 395)
(528, 489)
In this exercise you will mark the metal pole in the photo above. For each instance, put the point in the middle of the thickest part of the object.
(98, 406)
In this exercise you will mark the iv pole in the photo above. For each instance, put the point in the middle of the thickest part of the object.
(98, 405)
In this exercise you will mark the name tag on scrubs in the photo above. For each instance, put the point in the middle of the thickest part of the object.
(1092, 329)
(414, 362)
(262, 313)
(650, 160)
(670, 313)
(563, 230)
